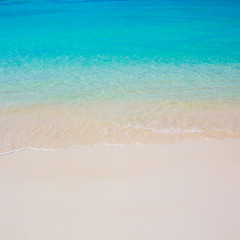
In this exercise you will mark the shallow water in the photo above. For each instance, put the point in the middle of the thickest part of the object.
(87, 72)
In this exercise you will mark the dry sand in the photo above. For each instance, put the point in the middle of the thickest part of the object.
(183, 191)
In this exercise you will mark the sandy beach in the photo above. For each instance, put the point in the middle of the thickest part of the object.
(119, 120)
(185, 190)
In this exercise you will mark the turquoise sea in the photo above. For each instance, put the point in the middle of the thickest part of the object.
(120, 71)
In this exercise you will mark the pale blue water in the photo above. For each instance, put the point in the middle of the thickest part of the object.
(78, 51)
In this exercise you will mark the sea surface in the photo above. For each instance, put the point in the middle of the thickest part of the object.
(85, 72)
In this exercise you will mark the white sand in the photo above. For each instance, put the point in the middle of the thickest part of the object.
(183, 191)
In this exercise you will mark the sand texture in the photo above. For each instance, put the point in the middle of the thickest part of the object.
(188, 190)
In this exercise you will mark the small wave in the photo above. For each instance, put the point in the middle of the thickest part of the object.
(98, 144)
(170, 130)
(68, 148)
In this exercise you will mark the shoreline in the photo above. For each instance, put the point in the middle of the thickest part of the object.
(187, 140)
(183, 190)
(63, 126)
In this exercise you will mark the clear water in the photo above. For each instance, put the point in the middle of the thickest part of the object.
(148, 51)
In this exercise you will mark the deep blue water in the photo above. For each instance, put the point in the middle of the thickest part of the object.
(57, 51)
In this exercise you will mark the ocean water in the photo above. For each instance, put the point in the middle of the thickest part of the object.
(85, 72)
